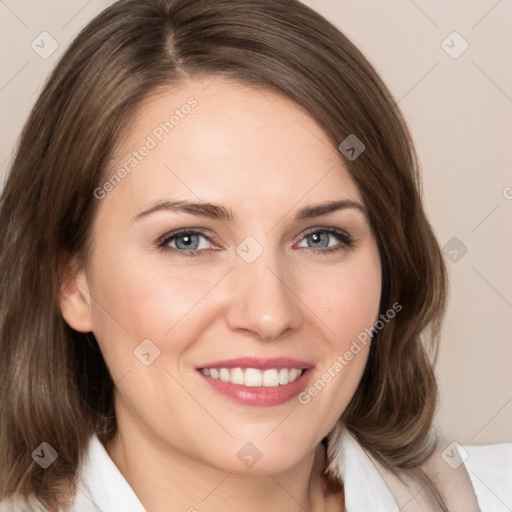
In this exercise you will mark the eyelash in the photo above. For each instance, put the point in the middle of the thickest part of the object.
(342, 236)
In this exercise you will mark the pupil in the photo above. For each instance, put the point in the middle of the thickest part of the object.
(320, 238)
(187, 242)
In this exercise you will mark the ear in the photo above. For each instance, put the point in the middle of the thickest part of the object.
(75, 300)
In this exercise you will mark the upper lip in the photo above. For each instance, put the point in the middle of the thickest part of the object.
(259, 363)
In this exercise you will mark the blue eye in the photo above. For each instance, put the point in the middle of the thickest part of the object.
(186, 242)
(319, 239)
(326, 240)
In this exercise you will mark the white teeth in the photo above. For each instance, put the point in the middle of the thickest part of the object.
(284, 376)
(294, 373)
(237, 376)
(252, 377)
(270, 378)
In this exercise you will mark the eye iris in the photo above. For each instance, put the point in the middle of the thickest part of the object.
(320, 237)
(187, 242)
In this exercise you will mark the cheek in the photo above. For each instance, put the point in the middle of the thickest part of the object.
(348, 300)
(138, 298)
(357, 306)
(348, 307)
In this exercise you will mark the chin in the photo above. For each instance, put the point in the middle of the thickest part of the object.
(259, 458)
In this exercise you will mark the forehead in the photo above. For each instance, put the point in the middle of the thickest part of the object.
(220, 140)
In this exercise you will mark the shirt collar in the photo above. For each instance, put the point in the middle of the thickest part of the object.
(102, 487)
(364, 487)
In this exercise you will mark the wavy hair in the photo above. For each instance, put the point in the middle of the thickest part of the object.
(54, 384)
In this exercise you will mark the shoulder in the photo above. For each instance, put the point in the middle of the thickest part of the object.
(469, 478)
(21, 505)
(100, 486)
(462, 471)
(490, 470)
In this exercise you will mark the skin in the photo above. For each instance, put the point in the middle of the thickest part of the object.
(263, 157)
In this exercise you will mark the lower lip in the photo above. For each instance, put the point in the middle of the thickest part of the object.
(259, 396)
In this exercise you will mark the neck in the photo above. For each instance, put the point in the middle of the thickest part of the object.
(165, 478)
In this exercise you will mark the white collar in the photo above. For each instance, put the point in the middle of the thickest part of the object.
(365, 489)
(103, 488)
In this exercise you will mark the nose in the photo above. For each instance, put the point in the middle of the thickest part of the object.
(262, 301)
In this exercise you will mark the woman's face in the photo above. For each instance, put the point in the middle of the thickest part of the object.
(224, 286)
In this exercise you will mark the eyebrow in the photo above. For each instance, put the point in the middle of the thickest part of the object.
(217, 212)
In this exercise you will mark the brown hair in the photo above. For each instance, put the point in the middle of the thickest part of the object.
(54, 384)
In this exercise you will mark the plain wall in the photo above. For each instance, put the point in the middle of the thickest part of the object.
(459, 109)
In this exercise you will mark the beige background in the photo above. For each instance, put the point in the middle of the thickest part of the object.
(460, 113)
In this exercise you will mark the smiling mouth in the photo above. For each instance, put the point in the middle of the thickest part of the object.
(256, 381)
(254, 377)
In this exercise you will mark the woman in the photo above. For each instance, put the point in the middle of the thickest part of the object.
(219, 288)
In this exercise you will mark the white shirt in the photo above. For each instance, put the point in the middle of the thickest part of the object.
(102, 487)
